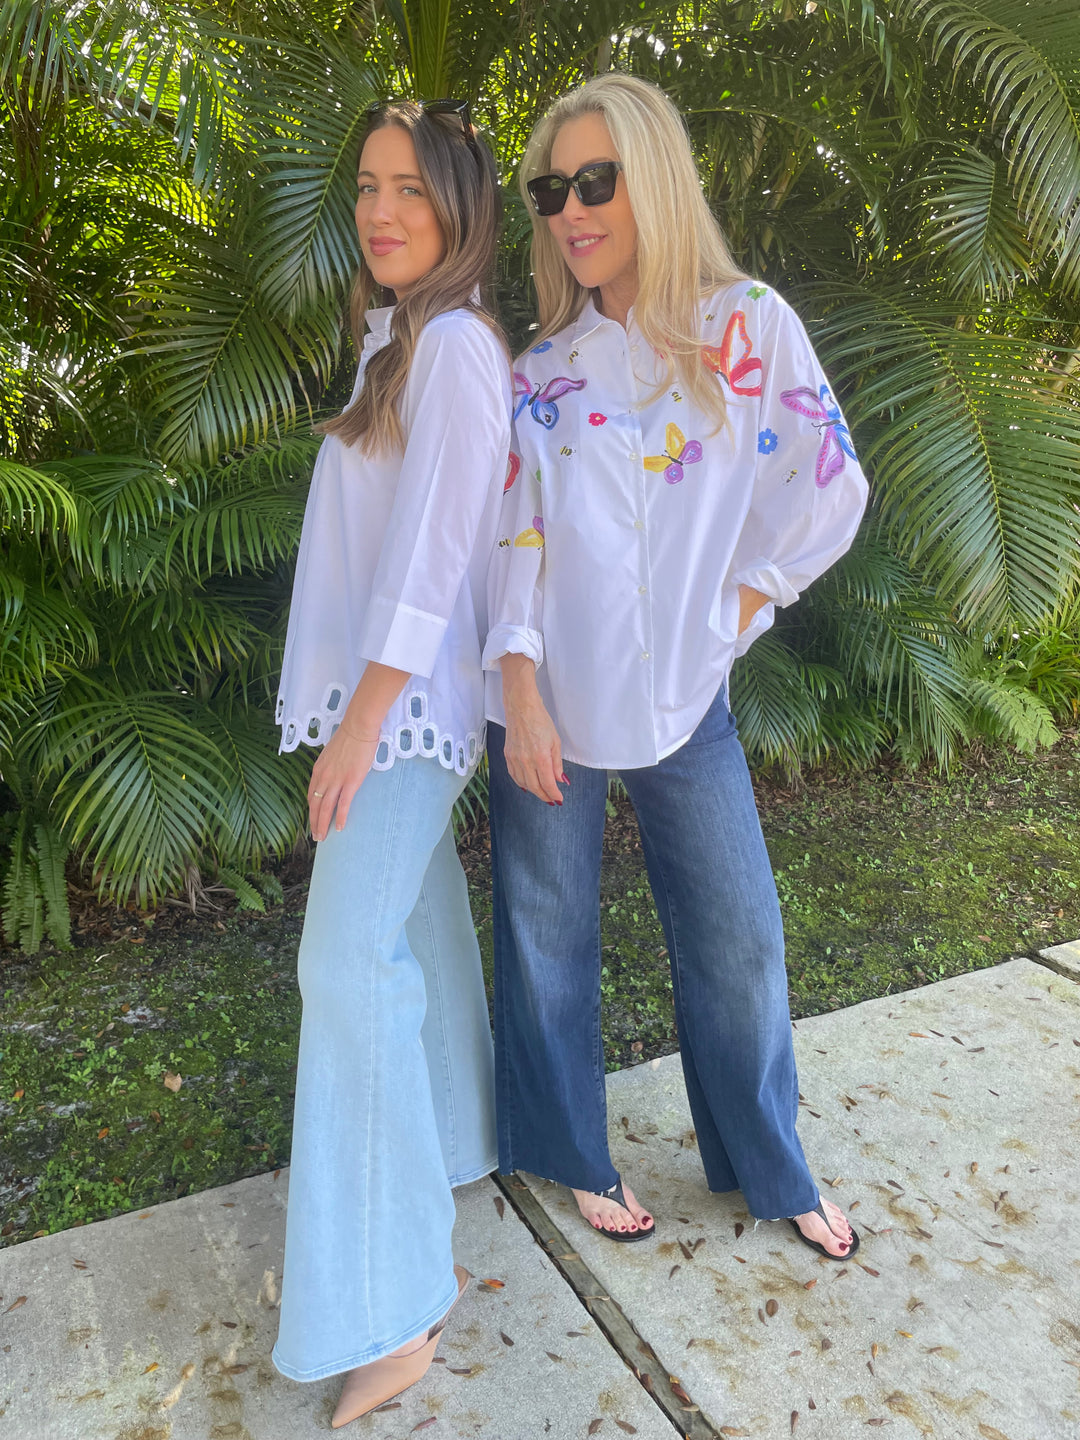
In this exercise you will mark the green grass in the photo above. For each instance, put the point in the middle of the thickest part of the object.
(887, 880)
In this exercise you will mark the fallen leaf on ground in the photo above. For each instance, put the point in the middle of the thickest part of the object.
(625, 1425)
(594, 1425)
(466, 1371)
(552, 1356)
(738, 1229)
(394, 1405)
(152, 1366)
(687, 1252)
(15, 1304)
(424, 1424)
(673, 1269)
(794, 1420)
(809, 1285)
(771, 1307)
(494, 1284)
(679, 1393)
(500, 1205)
(505, 1338)
(868, 1268)
(172, 1082)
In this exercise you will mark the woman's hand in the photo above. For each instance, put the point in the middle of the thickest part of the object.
(533, 749)
(339, 772)
(750, 602)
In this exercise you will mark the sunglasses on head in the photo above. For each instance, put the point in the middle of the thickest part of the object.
(593, 185)
(436, 110)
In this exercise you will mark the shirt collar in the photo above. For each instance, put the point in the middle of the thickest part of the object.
(591, 319)
(378, 321)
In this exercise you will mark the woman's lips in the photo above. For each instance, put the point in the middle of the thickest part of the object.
(583, 244)
(383, 245)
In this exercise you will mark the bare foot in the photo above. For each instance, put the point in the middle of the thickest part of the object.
(605, 1214)
(836, 1236)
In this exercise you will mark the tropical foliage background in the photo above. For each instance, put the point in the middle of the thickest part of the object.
(175, 249)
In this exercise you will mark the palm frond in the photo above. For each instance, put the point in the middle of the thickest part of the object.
(976, 463)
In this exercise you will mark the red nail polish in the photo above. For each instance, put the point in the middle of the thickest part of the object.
(565, 779)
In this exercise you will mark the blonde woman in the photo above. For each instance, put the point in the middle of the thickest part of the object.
(680, 468)
(394, 1099)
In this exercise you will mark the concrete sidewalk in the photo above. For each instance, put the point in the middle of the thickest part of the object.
(946, 1120)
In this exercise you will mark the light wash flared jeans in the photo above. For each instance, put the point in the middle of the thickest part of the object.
(394, 1088)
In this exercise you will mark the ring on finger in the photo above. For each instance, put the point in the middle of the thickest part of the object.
(318, 794)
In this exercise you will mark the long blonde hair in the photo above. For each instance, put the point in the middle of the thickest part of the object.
(682, 256)
(462, 183)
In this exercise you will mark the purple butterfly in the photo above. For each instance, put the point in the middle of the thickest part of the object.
(823, 410)
(541, 401)
(679, 452)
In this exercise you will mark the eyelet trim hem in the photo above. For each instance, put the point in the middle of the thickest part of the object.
(420, 735)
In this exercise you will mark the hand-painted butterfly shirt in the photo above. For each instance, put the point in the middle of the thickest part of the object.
(394, 554)
(629, 522)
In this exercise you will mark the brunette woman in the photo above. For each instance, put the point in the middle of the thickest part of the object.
(681, 468)
(394, 1102)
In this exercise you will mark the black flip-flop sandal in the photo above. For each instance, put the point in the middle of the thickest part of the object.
(819, 1209)
(624, 1237)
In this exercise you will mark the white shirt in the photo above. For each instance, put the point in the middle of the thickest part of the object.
(394, 554)
(631, 522)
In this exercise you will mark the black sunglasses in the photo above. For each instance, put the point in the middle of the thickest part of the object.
(593, 185)
(454, 109)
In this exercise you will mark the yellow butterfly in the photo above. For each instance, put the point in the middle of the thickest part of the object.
(680, 452)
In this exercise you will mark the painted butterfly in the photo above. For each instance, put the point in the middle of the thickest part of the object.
(512, 468)
(680, 452)
(533, 538)
(822, 409)
(742, 374)
(541, 401)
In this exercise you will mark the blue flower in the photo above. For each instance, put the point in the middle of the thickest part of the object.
(542, 347)
(767, 441)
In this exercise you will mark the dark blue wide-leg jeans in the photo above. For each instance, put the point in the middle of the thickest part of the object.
(714, 891)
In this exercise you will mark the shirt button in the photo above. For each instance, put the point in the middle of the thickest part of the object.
(639, 525)
(642, 589)
(631, 455)
(644, 654)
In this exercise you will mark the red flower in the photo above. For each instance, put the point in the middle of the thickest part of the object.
(597, 419)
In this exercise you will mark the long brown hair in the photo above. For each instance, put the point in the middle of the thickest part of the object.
(682, 256)
(461, 181)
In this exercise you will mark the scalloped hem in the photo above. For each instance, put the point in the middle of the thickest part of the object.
(420, 735)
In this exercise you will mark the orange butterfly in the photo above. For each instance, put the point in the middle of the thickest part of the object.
(738, 372)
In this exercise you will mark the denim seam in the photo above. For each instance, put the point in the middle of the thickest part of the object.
(370, 1107)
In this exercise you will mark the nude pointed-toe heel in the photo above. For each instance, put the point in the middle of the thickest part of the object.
(369, 1386)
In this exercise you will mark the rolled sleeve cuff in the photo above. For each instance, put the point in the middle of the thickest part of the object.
(401, 636)
(763, 576)
(513, 640)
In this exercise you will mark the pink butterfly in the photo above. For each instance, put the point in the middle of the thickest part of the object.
(541, 401)
(721, 361)
(820, 407)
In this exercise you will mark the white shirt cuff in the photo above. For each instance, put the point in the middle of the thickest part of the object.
(512, 640)
(401, 636)
(762, 575)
